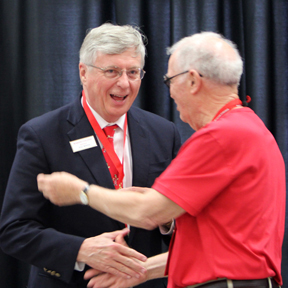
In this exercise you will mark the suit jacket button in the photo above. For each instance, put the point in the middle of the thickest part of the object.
(53, 273)
(57, 275)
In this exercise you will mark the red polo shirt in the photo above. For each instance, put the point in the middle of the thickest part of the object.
(230, 179)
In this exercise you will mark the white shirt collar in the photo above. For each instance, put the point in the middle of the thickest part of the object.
(102, 122)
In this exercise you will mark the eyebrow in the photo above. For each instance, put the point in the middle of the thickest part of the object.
(121, 68)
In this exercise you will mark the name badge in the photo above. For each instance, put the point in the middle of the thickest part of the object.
(83, 144)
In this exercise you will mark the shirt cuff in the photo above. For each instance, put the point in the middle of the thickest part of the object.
(79, 266)
(167, 229)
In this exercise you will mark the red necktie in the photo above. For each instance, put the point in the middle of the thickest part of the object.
(109, 132)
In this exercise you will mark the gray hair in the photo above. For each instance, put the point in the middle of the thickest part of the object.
(197, 52)
(112, 39)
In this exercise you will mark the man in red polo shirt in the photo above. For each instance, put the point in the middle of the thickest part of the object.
(226, 187)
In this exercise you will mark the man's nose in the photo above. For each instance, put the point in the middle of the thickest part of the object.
(123, 81)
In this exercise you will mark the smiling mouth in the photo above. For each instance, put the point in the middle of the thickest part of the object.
(118, 98)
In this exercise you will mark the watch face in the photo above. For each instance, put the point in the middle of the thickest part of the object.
(83, 198)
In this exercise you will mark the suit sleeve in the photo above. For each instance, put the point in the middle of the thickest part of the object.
(25, 214)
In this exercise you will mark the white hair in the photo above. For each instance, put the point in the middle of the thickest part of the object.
(209, 59)
(112, 39)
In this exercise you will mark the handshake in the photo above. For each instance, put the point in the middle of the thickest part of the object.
(114, 263)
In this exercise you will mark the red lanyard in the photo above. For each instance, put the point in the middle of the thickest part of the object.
(103, 139)
(230, 105)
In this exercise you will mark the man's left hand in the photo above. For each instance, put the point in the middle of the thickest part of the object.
(61, 188)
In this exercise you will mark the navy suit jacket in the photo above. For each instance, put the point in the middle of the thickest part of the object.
(49, 237)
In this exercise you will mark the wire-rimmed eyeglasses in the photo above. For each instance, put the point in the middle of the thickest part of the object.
(116, 72)
(167, 80)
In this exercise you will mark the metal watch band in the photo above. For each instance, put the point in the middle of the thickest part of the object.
(83, 195)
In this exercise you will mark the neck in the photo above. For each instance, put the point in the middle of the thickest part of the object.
(209, 100)
(210, 111)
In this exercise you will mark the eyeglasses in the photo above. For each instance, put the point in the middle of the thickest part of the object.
(115, 72)
(167, 80)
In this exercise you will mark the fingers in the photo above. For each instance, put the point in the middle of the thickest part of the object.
(127, 258)
(104, 254)
(119, 262)
(91, 273)
(117, 233)
(100, 281)
(110, 281)
(61, 188)
(105, 280)
(127, 266)
(40, 181)
(118, 237)
(44, 186)
(131, 253)
(120, 240)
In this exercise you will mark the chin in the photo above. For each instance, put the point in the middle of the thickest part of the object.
(182, 118)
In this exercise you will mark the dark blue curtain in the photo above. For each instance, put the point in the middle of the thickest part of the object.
(40, 40)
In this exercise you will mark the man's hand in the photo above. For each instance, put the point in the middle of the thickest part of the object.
(107, 280)
(107, 253)
(61, 188)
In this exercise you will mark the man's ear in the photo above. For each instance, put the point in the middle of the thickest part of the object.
(82, 72)
(195, 81)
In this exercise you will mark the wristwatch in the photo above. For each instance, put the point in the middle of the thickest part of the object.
(83, 195)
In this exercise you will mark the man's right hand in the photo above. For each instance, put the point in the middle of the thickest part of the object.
(111, 281)
(105, 254)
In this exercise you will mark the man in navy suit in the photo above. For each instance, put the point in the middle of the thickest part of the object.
(60, 243)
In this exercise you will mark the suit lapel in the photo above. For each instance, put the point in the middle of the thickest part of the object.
(93, 157)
